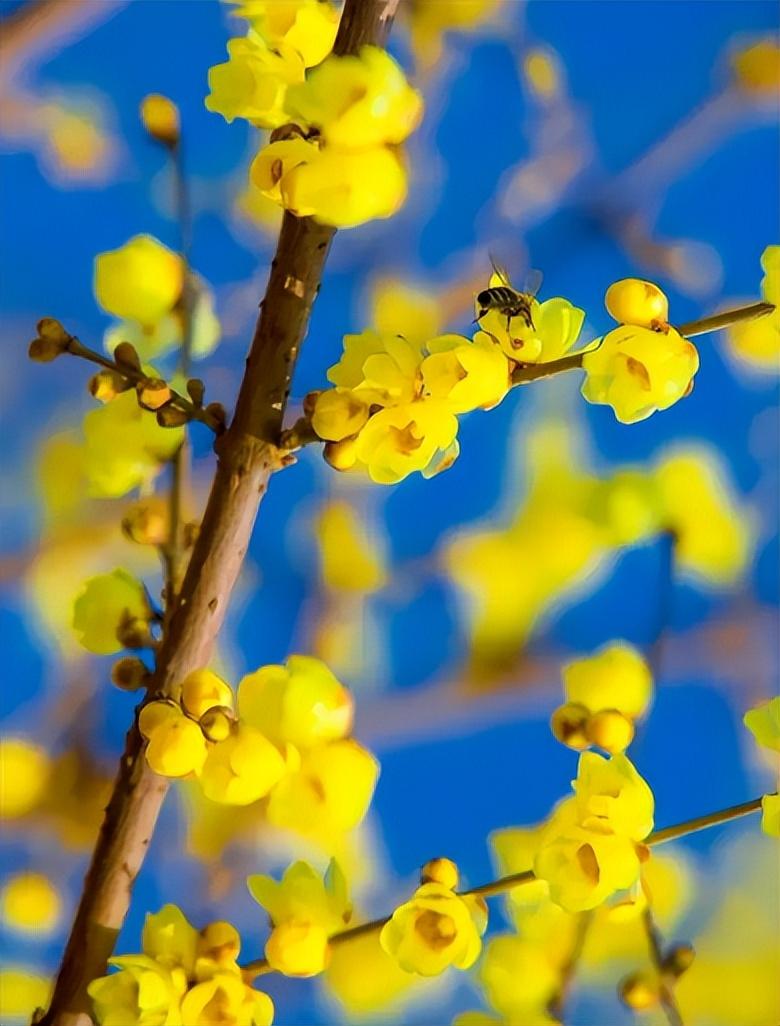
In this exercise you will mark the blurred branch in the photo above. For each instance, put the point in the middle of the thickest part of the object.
(260, 967)
(248, 455)
(666, 992)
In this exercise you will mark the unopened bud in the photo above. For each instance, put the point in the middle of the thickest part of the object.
(51, 329)
(441, 871)
(217, 413)
(610, 730)
(640, 991)
(678, 959)
(126, 356)
(133, 632)
(216, 723)
(220, 942)
(568, 725)
(129, 674)
(160, 118)
(196, 390)
(171, 416)
(44, 350)
(153, 393)
(106, 385)
(145, 524)
(310, 401)
(341, 455)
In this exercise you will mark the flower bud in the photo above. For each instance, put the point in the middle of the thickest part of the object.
(217, 723)
(152, 393)
(441, 871)
(634, 301)
(44, 350)
(610, 730)
(172, 417)
(51, 329)
(219, 941)
(341, 455)
(640, 991)
(160, 118)
(145, 524)
(217, 413)
(126, 356)
(133, 632)
(678, 959)
(129, 674)
(106, 385)
(568, 725)
(196, 390)
(310, 401)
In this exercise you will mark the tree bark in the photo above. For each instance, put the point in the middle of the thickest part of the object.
(247, 457)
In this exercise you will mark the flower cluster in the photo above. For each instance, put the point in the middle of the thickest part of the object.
(644, 365)
(182, 977)
(438, 927)
(284, 736)
(605, 694)
(339, 161)
(591, 845)
(305, 910)
(763, 722)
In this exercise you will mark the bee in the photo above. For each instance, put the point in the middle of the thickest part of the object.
(506, 299)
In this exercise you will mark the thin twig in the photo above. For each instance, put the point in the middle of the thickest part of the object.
(557, 1005)
(725, 319)
(666, 991)
(259, 966)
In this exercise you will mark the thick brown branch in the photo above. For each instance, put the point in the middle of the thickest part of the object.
(247, 456)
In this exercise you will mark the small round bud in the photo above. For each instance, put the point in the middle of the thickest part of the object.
(216, 723)
(126, 356)
(610, 730)
(51, 329)
(133, 632)
(634, 301)
(341, 455)
(145, 524)
(44, 350)
(196, 390)
(568, 725)
(678, 959)
(441, 871)
(220, 942)
(640, 991)
(106, 385)
(172, 417)
(217, 413)
(160, 118)
(310, 401)
(129, 674)
(153, 393)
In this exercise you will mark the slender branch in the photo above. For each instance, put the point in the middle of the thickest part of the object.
(247, 457)
(525, 372)
(725, 319)
(666, 991)
(259, 966)
(569, 968)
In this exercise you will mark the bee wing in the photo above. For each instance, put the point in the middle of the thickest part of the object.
(533, 282)
(500, 271)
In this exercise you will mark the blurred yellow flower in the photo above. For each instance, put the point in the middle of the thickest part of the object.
(22, 993)
(30, 903)
(350, 558)
(141, 281)
(305, 909)
(763, 722)
(253, 82)
(25, 770)
(434, 930)
(757, 342)
(242, 768)
(359, 101)
(757, 67)
(103, 606)
(160, 118)
(429, 22)
(153, 341)
(519, 979)
(770, 815)
(366, 981)
(306, 26)
(398, 307)
(637, 371)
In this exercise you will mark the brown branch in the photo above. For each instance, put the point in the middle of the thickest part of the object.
(725, 319)
(247, 456)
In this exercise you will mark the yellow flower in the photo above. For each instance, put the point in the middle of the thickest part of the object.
(712, 532)
(202, 690)
(611, 795)
(307, 26)
(763, 722)
(329, 794)
(25, 770)
(379, 369)
(343, 188)
(301, 703)
(274, 162)
(176, 746)
(401, 439)
(637, 371)
(159, 339)
(305, 910)
(429, 22)
(338, 413)
(103, 605)
(630, 506)
(466, 375)
(113, 470)
(359, 101)
(757, 341)
(557, 325)
(519, 979)
(141, 281)
(30, 902)
(365, 980)
(757, 67)
(400, 308)
(170, 939)
(434, 930)
(770, 815)
(160, 118)
(242, 768)
(142, 993)
(225, 1000)
(350, 558)
(635, 301)
(615, 677)
(22, 993)
(253, 83)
